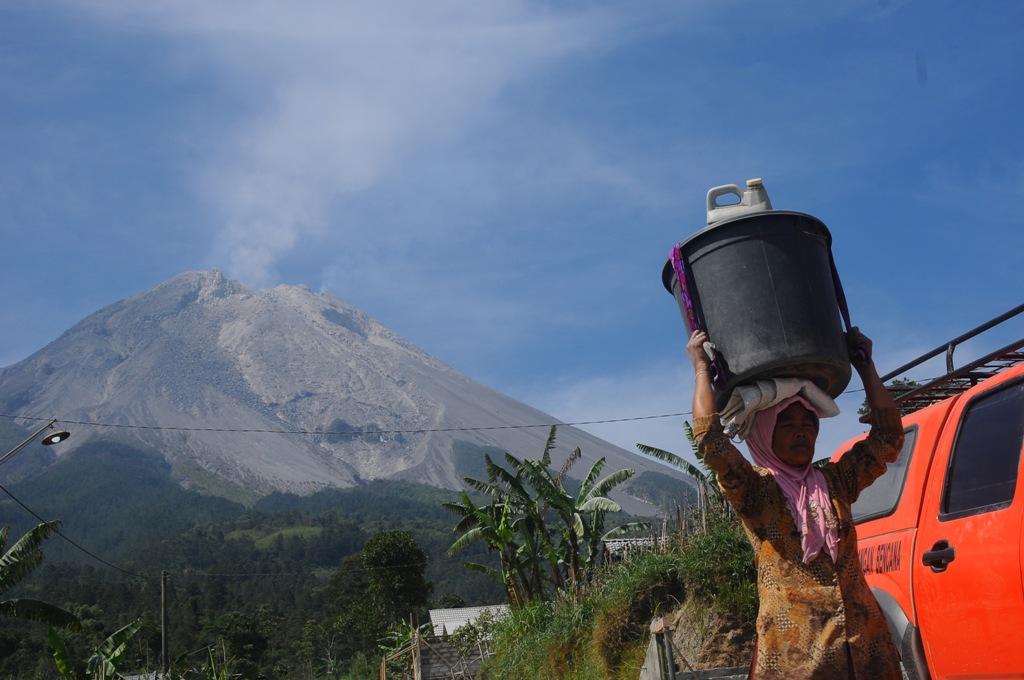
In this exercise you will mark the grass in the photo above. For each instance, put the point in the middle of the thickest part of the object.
(264, 540)
(602, 633)
(596, 634)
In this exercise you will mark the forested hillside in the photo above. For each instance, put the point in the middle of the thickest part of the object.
(269, 581)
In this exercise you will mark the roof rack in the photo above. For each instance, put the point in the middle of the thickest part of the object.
(957, 380)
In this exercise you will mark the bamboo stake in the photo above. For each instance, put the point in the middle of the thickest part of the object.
(704, 508)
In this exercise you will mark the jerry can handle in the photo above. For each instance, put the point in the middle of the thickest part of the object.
(714, 193)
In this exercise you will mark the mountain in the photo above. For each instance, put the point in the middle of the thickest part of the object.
(201, 351)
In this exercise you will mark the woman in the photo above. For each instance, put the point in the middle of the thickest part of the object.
(817, 616)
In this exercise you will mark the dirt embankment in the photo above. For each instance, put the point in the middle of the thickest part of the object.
(704, 639)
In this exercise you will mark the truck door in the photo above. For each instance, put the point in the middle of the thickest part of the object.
(967, 557)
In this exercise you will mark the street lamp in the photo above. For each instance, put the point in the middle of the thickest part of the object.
(48, 440)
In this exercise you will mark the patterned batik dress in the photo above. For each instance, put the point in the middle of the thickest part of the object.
(817, 620)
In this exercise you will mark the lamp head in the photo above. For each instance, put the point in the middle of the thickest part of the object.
(55, 438)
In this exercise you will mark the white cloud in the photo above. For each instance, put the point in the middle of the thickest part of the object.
(337, 94)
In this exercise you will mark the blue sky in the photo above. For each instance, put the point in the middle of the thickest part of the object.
(500, 182)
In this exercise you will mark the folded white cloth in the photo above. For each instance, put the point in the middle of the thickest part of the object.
(746, 400)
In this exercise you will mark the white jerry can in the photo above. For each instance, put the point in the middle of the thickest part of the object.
(753, 199)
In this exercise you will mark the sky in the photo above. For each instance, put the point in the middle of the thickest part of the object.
(500, 182)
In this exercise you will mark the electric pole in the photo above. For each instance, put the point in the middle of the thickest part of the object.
(164, 661)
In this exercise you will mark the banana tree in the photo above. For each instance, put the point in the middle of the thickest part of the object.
(593, 505)
(16, 564)
(102, 664)
(529, 515)
(537, 545)
(491, 524)
(526, 496)
(705, 477)
(582, 515)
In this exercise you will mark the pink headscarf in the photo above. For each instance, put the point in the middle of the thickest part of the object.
(804, 488)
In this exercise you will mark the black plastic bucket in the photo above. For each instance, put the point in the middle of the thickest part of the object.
(764, 288)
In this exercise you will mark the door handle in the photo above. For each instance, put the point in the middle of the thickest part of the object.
(939, 557)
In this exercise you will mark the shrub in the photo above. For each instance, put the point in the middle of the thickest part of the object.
(718, 567)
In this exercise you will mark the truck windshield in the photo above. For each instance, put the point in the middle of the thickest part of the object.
(881, 497)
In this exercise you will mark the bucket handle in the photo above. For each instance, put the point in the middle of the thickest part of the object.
(676, 258)
(837, 283)
(714, 193)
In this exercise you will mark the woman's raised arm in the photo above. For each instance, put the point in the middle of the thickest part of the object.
(867, 461)
(735, 474)
(703, 397)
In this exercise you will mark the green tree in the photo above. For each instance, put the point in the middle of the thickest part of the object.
(897, 387)
(372, 592)
(18, 562)
(245, 638)
(353, 624)
(395, 568)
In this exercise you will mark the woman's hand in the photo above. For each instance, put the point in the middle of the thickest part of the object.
(695, 349)
(860, 348)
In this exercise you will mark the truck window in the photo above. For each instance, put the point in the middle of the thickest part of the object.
(881, 498)
(983, 472)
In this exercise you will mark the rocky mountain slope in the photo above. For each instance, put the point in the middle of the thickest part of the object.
(202, 351)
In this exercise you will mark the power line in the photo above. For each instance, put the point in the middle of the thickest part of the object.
(353, 433)
(360, 433)
(71, 541)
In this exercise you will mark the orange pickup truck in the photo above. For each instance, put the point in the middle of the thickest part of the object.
(941, 533)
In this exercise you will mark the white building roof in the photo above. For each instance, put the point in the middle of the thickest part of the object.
(447, 621)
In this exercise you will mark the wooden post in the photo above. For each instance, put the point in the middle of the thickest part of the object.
(165, 662)
(686, 517)
(417, 665)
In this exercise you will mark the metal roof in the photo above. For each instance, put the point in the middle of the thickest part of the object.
(447, 621)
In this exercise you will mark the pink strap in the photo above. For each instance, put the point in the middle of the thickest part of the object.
(676, 257)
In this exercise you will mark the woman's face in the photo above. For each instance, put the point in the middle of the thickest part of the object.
(796, 430)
